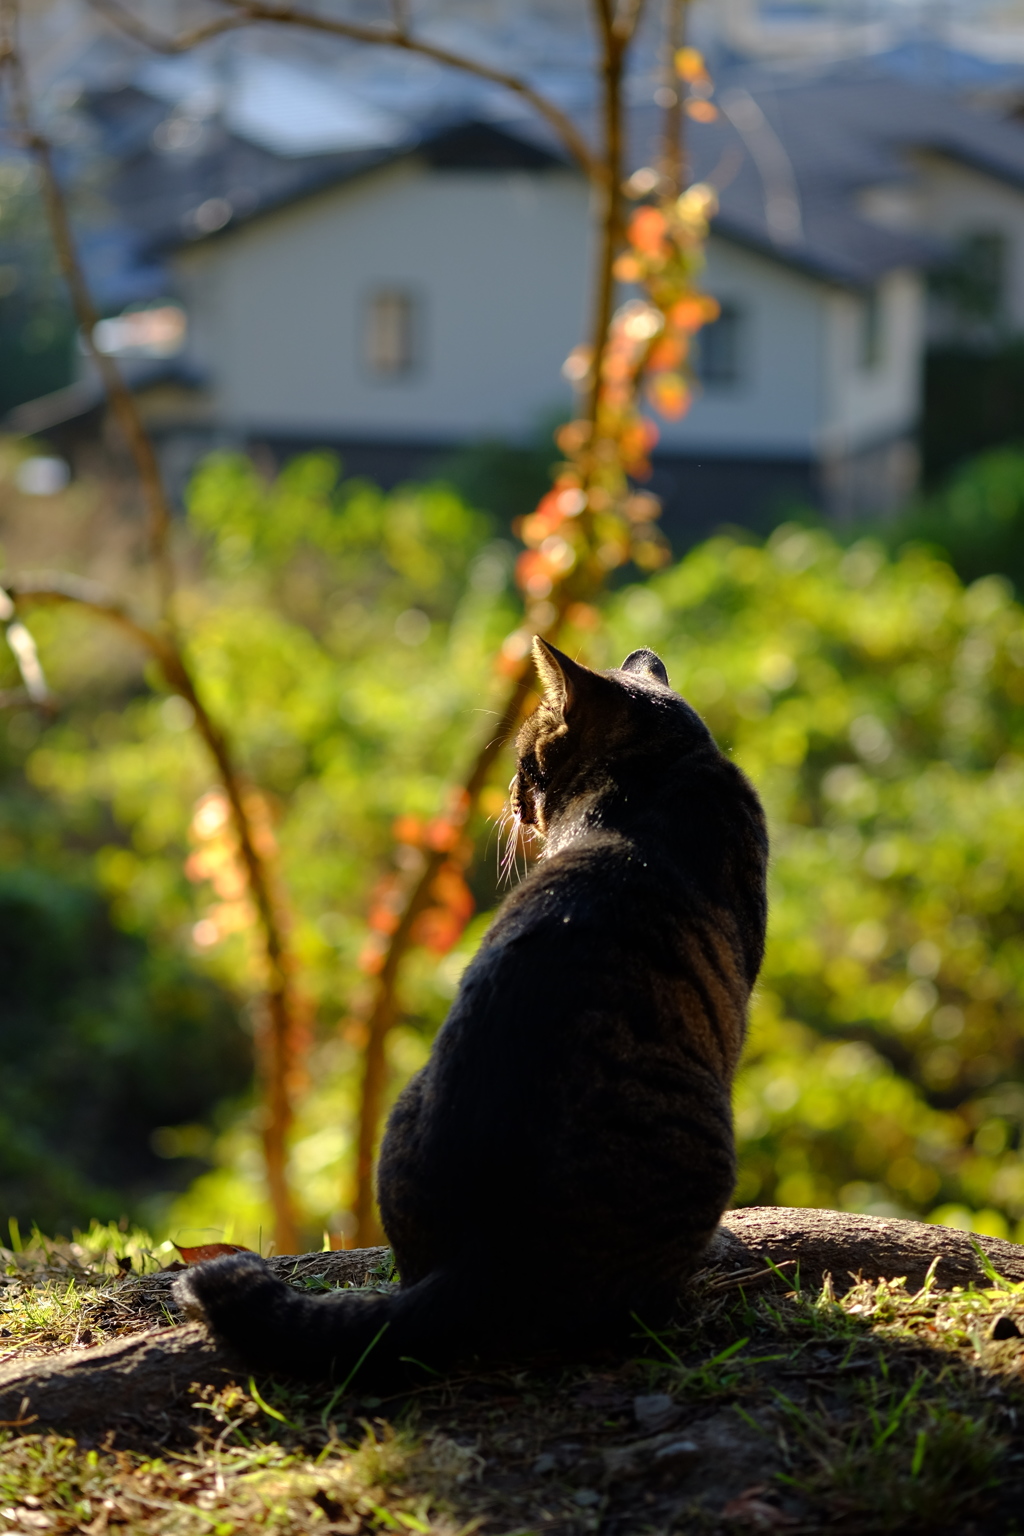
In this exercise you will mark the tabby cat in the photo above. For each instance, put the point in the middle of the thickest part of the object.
(566, 1153)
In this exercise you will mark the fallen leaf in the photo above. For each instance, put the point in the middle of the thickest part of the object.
(210, 1251)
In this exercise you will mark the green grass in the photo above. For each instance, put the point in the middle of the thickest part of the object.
(876, 1411)
(232, 1480)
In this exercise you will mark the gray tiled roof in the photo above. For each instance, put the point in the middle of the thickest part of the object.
(840, 134)
(805, 146)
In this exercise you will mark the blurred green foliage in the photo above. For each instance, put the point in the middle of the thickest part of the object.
(973, 402)
(103, 1042)
(879, 706)
(877, 702)
(976, 518)
(505, 479)
(346, 637)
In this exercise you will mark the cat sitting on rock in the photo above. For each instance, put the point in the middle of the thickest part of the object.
(576, 1107)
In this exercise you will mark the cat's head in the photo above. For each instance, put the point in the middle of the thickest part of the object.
(590, 725)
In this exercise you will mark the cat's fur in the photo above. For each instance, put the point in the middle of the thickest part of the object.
(567, 1152)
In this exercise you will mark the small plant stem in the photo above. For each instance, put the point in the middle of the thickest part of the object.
(609, 191)
(673, 153)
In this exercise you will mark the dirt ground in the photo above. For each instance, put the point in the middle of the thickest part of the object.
(763, 1408)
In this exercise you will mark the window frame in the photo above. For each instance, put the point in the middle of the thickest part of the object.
(734, 313)
(408, 339)
(871, 330)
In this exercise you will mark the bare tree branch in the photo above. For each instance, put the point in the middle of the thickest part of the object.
(59, 588)
(672, 154)
(247, 12)
(278, 1032)
(184, 42)
(613, 53)
(122, 401)
(23, 649)
(54, 587)
(400, 13)
(627, 18)
(616, 26)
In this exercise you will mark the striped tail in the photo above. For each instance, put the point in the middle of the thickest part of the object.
(353, 1339)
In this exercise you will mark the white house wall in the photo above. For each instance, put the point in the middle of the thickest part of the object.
(774, 408)
(497, 262)
(865, 405)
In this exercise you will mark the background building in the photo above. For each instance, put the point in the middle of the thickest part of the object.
(361, 251)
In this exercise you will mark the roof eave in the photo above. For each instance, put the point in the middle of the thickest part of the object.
(337, 175)
(975, 159)
(807, 261)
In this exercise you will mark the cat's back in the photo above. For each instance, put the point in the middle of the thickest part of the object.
(606, 967)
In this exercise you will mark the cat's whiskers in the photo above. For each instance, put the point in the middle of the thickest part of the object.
(497, 826)
(518, 837)
(512, 827)
(502, 824)
(510, 859)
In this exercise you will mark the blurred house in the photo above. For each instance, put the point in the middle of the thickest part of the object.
(419, 289)
(430, 301)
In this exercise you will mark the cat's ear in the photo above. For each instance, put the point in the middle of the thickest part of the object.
(564, 680)
(647, 664)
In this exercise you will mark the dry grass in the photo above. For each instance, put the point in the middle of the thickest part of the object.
(877, 1411)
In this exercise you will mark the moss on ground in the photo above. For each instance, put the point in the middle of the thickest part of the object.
(763, 1408)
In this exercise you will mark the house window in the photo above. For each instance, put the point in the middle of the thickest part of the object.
(870, 346)
(972, 285)
(719, 363)
(389, 335)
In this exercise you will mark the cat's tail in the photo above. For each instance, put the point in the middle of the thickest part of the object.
(349, 1338)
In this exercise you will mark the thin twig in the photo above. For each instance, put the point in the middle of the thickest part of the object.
(616, 26)
(400, 13)
(613, 54)
(247, 12)
(23, 648)
(59, 588)
(673, 153)
(184, 42)
(627, 19)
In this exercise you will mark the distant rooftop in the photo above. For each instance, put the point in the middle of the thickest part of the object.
(202, 142)
(790, 153)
